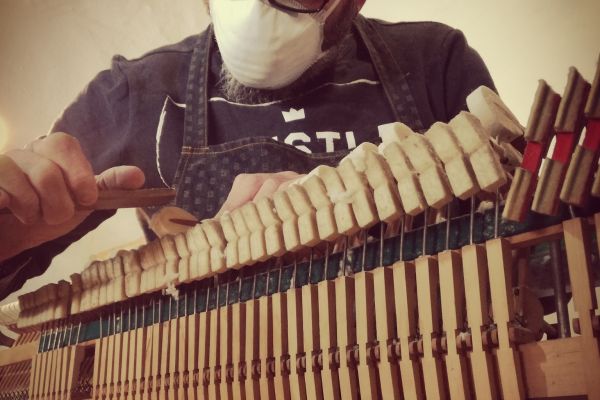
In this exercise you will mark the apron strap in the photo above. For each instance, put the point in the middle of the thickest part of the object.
(393, 78)
(196, 113)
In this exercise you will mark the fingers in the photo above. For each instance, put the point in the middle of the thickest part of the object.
(52, 176)
(43, 190)
(272, 185)
(18, 194)
(4, 199)
(269, 187)
(122, 177)
(47, 180)
(247, 187)
(285, 184)
(64, 150)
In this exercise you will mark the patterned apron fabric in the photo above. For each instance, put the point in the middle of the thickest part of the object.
(205, 173)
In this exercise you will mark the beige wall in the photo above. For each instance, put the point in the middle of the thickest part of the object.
(521, 41)
(49, 49)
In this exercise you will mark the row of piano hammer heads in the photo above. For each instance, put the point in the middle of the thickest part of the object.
(405, 175)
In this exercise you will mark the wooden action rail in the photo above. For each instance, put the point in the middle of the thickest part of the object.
(413, 329)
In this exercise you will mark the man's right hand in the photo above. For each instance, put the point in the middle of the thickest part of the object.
(43, 184)
(250, 187)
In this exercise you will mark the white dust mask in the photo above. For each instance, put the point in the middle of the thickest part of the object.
(264, 47)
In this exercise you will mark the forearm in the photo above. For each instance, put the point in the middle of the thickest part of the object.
(34, 261)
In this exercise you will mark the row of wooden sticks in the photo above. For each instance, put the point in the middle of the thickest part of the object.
(418, 329)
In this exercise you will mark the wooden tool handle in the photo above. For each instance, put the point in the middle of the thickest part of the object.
(115, 199)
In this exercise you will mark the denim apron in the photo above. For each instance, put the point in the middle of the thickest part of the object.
(205, 174)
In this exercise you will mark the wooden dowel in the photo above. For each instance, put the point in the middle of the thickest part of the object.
(226, 340)
(560, 295)
(60, 364)
(296, 344)
(346, 322)
(182, 348)
(387, 338)
(252, 334)
(119, 358)
(265, 354)
(577, 244)
(157, 339)
(312, 345)
(47, 362)
(49, 376)
(193, 342)
(280, 346)
(64, 365)
(141, 356)
(96, 383)
(203, 346)
(429, 323)
(77, 354)
(452, 292)
(366, 334)
(214, 355)
(509, 364)
(34, 374)
(238, 350)
(329, 340)
(405, 283)
(172, 345)
(105, 362)
(477, 301)
(128, 341)
(55, 370)
(110, 364)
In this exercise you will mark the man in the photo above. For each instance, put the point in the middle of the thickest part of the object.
(270, 86)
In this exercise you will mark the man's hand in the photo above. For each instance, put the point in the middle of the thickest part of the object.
(42, 185)
(248, 187)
